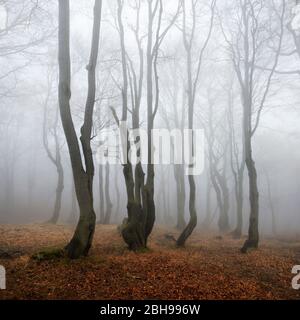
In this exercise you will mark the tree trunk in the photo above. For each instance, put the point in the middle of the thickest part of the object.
(253, 234)
(58, 197)
(193, 215)
(164, 197)
(9, 191)
(74, 210)
(107, 195)
(117, 196)
(101, 194)
(207, 220)
(148, 189)
(180, 191)
(223, 222)
(271, 205)
(83, 179)
(218, 196)
(239, 194)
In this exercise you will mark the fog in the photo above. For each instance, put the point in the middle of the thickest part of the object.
(32, 132)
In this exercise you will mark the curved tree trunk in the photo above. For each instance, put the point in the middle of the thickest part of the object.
(193, 215)
(180, 191)
(83, 178)
(191, 92)
(82, 239)
(253, 233)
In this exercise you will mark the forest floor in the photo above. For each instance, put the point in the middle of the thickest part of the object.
(209, 267)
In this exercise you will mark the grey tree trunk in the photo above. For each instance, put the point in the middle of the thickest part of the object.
(191, 92)
(218, 195)
(54, 157)
(132, 229)
(180, 191)
(237, 168)
(101, 194)
(272, 208)
(207, 219)
(74, 209)
(192, 209)
(83, 178)
(148, 190)
(58, 197)
(223, 221)
(253, 233)
(117, 197)
(237, 233)
(252, 43)
(140, 207)
(107, 195)
(9, 191)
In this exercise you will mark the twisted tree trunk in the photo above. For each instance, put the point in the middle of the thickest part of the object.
(83, 178)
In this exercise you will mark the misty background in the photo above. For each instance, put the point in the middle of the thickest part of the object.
(29, 113)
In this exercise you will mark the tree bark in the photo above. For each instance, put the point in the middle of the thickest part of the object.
(117, 196)
(107, 195)
(58, 197)
(83, 179)
(74, 210)
(192, 209)
(207, 220)
(180, 191)
(239, 194)
(253, 233)
(101, 194)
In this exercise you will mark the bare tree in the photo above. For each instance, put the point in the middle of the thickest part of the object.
(217, 150)
(271, 205)
(54, 156)
(83, 177)
(176, 119)
(108, 202)
(237, 165)
(192, 82)
(101, 193)
(117, 198)
(140, 193)
(251, 39)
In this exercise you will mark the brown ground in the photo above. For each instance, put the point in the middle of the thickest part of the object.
(209, 267)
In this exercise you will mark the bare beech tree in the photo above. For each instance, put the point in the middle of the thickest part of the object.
(176, 119)
(271, 205)
(54, 156)
(140, 193)
(83, 177)
(252, 39)
(237, 165)
(217, 151)
(192, 82)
